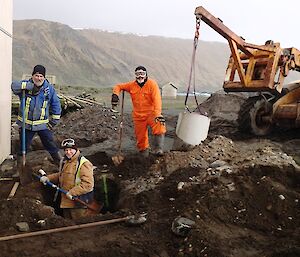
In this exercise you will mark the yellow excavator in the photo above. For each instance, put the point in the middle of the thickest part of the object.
(261, 69)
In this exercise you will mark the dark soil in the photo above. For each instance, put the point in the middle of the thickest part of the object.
(242, 193)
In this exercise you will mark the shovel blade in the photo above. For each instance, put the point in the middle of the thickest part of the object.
(118, 159)
(94, 208)
(25, 176)
(24, 172)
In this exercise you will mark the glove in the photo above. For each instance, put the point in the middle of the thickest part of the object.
(160, 119)
(114, 100)
(69, 196)
(29, 85)
(42, 172)
(50, 125)
(44, 180)
(18, 86)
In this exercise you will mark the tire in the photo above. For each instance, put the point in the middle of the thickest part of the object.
(251, 114)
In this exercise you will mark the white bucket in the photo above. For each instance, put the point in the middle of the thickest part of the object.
(192, 128)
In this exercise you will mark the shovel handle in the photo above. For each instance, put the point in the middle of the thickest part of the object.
(65, 192)
(23, 129)
(121, 123)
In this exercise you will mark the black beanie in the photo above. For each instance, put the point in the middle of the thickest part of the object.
(39, 69)
(140, 68)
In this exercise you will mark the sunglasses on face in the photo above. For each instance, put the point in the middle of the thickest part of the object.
(68, 143)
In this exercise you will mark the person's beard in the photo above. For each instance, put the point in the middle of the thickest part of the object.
(38, 83)
(141, 81)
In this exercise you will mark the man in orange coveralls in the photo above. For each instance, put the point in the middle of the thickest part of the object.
(147, 104)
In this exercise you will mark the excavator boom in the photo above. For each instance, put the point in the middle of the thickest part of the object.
(252, 67)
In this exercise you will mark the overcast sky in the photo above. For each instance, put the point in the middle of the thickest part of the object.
(255, 20)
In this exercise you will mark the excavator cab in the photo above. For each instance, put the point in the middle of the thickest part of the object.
(261, 69)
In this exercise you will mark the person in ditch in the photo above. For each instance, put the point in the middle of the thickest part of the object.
(147, 105)
(76, 177)
(42, 111)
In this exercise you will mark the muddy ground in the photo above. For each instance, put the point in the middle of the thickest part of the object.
(241, 191)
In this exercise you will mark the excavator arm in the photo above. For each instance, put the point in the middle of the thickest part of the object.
(252, 67)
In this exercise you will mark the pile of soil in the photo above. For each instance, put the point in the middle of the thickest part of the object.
(240, 193)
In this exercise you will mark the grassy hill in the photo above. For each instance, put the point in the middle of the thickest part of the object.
(94, 58)
(97, 58)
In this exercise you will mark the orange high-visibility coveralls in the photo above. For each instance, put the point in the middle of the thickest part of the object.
(147, 106)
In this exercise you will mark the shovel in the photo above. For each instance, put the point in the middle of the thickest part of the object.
(94, 206)
(119, 158)
(25, 177)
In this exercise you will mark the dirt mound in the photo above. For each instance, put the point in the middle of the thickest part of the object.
(242, 194)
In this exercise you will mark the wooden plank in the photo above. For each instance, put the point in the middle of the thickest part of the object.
(13, 190)
(88, 100)
(6, 179)
(71, 101)
(80, 101)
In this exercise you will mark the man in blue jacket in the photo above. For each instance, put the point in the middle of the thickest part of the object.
(42, 110)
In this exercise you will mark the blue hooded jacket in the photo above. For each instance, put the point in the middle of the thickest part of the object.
(40, 108)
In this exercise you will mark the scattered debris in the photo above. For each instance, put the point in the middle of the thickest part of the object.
(181, 226)
(235, 205)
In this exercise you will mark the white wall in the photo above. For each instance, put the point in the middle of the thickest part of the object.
(5, 76)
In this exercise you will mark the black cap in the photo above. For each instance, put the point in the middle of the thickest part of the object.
(40, 69)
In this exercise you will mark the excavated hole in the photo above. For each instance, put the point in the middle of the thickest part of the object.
(106, 192)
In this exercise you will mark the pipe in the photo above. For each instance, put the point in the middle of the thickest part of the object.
(55, 230)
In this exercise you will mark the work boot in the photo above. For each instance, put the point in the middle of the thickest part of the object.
(158, 144)
(145, 153)
(57, 157)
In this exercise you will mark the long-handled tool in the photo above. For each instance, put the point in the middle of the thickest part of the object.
(131, 220)
(25, 177)
(94, 206)
(118, 159)
(23, 132)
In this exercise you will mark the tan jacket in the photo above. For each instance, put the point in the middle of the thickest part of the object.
(66, 180)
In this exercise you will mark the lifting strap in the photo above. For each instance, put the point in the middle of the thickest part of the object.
(192, 70)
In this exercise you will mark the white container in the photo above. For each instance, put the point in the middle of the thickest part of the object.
(192, 128)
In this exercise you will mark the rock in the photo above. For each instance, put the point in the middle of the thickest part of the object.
(223, 167)
(164, 254)
(181, 226)
(217, 163)
(41, 223)
(231, 187)
(180, 185)
(22, 226)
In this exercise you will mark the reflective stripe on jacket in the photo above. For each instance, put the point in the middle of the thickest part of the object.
(37, 107)
(77, 177)
(67, 179)
(146, 100)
